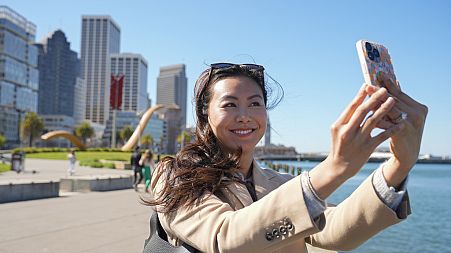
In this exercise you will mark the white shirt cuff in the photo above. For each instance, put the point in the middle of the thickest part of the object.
(388, 195)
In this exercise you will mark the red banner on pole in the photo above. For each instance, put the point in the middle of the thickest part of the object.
(117, 83)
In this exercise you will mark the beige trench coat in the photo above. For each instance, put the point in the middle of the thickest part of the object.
(230, 221)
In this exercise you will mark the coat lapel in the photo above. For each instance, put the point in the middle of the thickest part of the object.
(240, 194)
(264, 182)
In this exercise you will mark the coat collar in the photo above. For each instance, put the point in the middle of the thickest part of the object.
(264, 184)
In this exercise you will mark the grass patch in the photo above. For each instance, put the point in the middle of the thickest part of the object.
(90, 158)
(84, 156)
(4, 167)
(87, 158)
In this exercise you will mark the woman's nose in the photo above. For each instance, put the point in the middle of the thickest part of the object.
(243, 116)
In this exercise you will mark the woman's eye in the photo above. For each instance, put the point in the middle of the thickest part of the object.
(229, 105)
(255, 104)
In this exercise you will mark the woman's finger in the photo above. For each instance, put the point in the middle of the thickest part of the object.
(370, 105)
(385, 123)
(388, 83)
(383, 136)
(378, 115)
(350, 109)
(395, 112)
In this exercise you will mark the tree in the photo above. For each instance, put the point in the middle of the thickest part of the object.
(184, 138)
(147, 140)
(126, 133)
(84, 131)
(2, 140)
(31, 126)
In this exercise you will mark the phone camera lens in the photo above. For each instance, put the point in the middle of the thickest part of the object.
(368, 47)
(371, 56)
(376, 53)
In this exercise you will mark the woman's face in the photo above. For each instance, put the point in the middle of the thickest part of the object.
(237, 113)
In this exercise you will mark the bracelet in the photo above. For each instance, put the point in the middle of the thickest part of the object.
(310, 186)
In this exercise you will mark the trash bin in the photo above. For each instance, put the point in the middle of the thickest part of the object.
(17, 162)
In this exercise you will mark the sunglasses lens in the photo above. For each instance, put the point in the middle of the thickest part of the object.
(229, 65)
(221, 65)
(253, 66)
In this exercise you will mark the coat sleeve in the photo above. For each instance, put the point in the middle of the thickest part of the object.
(213, 226)
(357, 218)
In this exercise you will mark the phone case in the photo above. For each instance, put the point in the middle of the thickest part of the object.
(374, 58)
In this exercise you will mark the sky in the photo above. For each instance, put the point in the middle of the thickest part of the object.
(307, 46)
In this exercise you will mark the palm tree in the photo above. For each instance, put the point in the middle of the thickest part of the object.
(31, 126)
(147, 140)
(126, 133)
(2, 140)
(84, 131)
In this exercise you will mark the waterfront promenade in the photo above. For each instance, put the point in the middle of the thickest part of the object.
(112, 221)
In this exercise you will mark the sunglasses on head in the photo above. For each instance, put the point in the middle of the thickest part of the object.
(224, 65)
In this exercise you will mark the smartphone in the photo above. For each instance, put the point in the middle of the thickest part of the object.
(374, 58)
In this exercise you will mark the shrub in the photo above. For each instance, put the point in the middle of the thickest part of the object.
(109, 165)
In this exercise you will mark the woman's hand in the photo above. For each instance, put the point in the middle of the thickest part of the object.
(352, 143)
(405, 145)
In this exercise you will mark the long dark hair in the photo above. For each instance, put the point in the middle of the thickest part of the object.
(202, 167)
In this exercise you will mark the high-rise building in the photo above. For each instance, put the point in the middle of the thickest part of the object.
(134, 69)
(173, 129)
(19, 76)
(100, 37)
(172, 88)
(58, 71)
(79, 100)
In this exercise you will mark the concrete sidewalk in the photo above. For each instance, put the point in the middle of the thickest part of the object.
(54, 170)
(112, 221)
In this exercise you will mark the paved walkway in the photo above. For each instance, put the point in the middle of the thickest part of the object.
(112, 221)
(54, 170)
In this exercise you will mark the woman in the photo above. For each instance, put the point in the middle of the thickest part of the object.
(214, 197)
(148, 166)
(72, 160)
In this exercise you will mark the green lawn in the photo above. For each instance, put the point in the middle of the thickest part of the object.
(83, 156)
(4, 167)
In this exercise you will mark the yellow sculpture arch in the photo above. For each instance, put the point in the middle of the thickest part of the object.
(140, 128)
(64, 134)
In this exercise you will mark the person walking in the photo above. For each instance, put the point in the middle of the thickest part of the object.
(148, 166)
(72, 160)
(136, 167)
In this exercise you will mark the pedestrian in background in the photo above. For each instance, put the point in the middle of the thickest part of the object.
(72, 160)
(136, 167)
(148, 166)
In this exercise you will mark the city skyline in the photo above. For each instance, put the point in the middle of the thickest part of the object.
(307, 47)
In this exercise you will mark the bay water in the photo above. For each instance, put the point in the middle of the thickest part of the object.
(427, 229)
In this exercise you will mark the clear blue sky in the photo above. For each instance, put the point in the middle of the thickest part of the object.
(308, 47)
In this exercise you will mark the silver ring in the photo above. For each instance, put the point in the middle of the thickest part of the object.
(402, 116)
